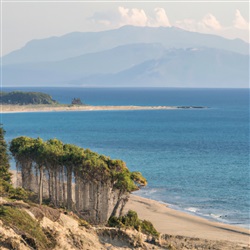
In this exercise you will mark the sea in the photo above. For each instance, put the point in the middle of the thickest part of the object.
(195, 160)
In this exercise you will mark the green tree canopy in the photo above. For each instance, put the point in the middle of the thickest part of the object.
(4, 158)
(24, 98)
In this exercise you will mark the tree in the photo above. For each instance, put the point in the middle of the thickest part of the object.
(54, 156)
(4, 159)
(76, 101)
(101, 184)
(38, 156)
(72, 157)
(21, 149)
(5, 175)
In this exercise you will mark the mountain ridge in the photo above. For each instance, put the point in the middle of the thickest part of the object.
(191, 67)
(71, 44)
(125, 57)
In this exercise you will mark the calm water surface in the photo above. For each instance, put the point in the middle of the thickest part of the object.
(195, 160)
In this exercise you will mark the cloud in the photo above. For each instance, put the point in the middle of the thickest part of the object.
(211, 22)
(161, 18)
(137, 17)
(207, 24)
(240, 22)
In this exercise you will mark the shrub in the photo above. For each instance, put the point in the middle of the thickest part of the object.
(148, 228)
(131, 220)
(19, 194)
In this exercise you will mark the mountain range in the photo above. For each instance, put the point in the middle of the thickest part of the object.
(130, 56)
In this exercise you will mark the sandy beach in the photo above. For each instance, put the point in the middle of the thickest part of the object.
(173, 222)
(183, 227)
(58, 108)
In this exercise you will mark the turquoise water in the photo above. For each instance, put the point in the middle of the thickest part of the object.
(195, 160)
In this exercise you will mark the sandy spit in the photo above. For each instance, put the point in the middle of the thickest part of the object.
(47, 108)
(173, 222)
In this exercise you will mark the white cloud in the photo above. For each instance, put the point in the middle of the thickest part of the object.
(207, 24)
(211, 22)
(161, 17)
(240, 22)
(136, 17)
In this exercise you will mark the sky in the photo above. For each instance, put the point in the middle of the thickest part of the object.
(23, 21)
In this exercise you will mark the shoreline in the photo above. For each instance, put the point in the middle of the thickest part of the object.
(174, 222)
(5, 109)
(178, 224)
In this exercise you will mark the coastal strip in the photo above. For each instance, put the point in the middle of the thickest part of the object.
(180, 226)
(60, 108)
(176, 223)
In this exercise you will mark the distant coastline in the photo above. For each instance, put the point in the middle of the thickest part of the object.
(64, 107)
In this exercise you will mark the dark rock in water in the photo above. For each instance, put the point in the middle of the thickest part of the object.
(191, 107)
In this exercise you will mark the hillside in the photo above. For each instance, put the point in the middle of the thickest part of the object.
(29, 226)
(24, 98)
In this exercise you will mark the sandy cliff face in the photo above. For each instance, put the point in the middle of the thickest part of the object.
(64, 231)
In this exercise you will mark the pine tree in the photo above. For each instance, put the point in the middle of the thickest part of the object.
(5, 175)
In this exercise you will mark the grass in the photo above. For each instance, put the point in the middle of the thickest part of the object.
(30, 230)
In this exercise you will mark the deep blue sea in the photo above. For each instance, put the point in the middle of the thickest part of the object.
(195, 160)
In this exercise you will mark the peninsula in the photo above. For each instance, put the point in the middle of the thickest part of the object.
(17, 101)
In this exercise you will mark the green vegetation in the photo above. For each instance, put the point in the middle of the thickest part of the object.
(60, 162)
(131, 220)
(24, 98)
(76, 101)
(26, 226)
(5, 176)
(6, 189)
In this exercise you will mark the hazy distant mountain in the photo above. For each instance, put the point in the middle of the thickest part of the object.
(182, 68)
(130, 56)
(104, 62)
(76, 44)
(118, 67)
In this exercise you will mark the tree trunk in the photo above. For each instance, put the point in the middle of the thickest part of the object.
(64, 189)
(69, 188)
(41, 185)
(49, 184)
(56, 185)
(77, 186)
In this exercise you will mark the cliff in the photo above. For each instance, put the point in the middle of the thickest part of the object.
(30, 226)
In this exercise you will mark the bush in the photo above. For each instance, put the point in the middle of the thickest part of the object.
(131, 220)
(19, 194)
(5, 187)
(148, 228)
